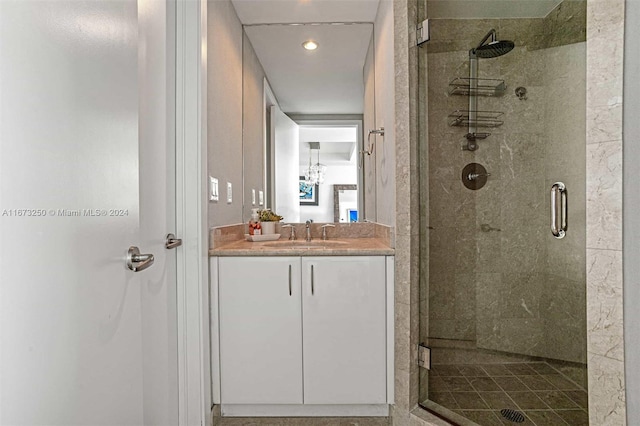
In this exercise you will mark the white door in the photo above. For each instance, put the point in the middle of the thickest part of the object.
(77, 335)
(344, 323)
(286, 167)
(260, 330)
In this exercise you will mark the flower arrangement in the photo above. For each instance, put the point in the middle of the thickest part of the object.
(267, 215)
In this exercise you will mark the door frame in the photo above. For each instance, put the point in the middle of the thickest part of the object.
(194, 366)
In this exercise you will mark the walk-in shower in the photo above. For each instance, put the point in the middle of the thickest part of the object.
(502, 300)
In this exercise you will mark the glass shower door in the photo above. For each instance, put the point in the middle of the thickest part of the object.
(503, 304)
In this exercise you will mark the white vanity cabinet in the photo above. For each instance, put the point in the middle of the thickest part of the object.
(303, 333)
(344, 326)
(260, 330)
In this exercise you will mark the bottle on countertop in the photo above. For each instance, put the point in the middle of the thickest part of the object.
(254, 223)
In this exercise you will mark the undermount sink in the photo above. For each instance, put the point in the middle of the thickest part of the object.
(301, 244)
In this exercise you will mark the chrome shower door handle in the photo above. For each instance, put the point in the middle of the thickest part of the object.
(558, 221)
(138, 262)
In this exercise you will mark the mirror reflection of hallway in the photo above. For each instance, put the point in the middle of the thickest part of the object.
(334, 146)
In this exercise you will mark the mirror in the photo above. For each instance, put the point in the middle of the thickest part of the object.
(345, 203)
(303, 108)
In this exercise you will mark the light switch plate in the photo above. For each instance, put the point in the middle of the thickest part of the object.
(253, 197)
(229, 193)
(213, 189)
(261, 198)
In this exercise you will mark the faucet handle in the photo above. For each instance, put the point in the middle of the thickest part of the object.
(324, 230)
(292, 235)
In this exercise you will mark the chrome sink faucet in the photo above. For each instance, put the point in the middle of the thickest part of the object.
(324, 230)
(292, 235)
(308, 230)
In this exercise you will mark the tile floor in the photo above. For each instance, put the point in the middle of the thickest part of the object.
(478, 392)
(301, 421)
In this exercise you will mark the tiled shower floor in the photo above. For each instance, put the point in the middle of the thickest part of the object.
(479, 391)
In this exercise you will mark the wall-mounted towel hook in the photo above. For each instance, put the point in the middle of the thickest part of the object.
(371, 144)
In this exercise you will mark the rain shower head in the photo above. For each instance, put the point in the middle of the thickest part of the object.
(493, 49)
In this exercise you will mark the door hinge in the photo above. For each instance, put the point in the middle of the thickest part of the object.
(424, 356)
(423, 33)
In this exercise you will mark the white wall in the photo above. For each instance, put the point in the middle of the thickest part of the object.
(385, 115)
(369, 122)
(253, 133)
(224, 123)
(286, 146)
(381, 165)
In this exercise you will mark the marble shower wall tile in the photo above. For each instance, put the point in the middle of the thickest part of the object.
(605, 63)
(604, 70)
(604, 195)
(606, 120)
(607, 403)
(566, 24)
(405, 204)
(604, 292)
(563, 303)
(565, 334)
(605, 32)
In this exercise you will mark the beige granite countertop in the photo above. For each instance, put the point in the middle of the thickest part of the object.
(317, 247)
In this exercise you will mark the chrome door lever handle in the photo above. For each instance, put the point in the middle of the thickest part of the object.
(138, 262)
(172, 242)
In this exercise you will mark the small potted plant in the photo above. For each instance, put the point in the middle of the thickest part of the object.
(268, 220)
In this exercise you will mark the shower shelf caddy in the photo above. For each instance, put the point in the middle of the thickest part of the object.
(472, 118)
(461, 86)
(486, 119)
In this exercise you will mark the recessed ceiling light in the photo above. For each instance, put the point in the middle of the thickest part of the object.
(310, 45)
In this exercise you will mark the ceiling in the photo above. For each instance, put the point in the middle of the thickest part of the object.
(337, 144)
(304, 11)
(489, 9)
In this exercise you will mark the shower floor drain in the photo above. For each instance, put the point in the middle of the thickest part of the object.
(512, 415)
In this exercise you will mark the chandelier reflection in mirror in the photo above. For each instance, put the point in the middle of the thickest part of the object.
(314, 174)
